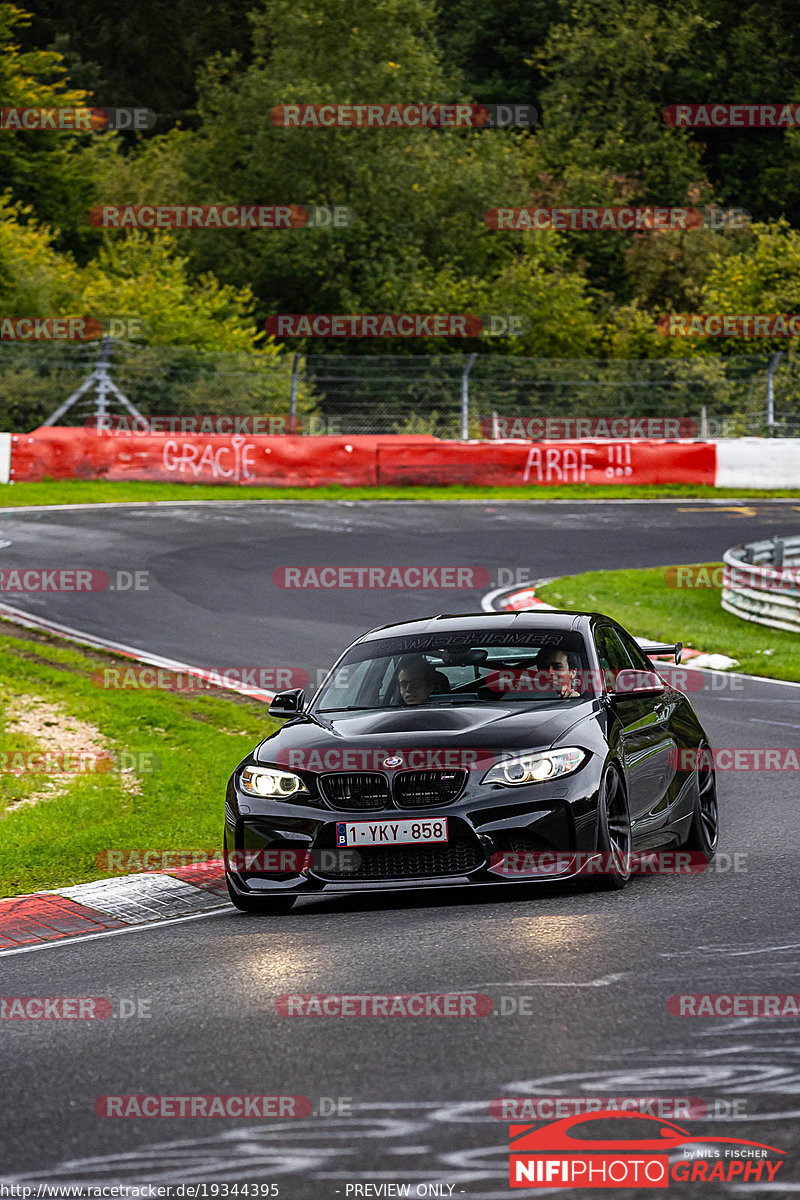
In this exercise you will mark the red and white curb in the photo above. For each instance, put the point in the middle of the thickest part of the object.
(106, 905)
(110, 904)
(516, 599)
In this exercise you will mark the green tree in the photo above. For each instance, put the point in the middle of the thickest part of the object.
(539, 285)
(419, 196)
(609, 69)
(135, 276)
(35, 279)
(762, 277)
(48, 170)
(146, 54)
(749, 271)
(746, 55)
(144, 275)
(496, 46)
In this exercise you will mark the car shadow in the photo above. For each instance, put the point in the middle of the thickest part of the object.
(468, 896)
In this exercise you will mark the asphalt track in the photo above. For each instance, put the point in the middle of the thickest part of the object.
(597, 968)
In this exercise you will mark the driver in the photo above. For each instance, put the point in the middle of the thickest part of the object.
(560, 675)
(416, 679)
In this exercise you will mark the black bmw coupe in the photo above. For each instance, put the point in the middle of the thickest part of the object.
(473, 749)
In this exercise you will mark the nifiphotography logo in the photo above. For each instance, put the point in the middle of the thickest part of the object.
(589, 1152)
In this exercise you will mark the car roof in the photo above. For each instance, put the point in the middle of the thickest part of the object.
(551, 618)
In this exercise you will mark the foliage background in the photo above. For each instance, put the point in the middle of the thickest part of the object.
(600, 72)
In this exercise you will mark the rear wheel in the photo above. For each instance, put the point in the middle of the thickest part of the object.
(704, 830)
(260, 904)
(613, 835)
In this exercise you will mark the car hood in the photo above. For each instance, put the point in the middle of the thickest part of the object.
(483, 726)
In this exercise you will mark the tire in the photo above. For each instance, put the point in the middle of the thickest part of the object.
(260, 904)
(703, 835)
(613, 834)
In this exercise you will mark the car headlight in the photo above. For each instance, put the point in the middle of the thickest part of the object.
(268, 781)
(535, 768)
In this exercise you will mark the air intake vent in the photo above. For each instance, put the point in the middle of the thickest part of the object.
(358, 792)
(423, 789)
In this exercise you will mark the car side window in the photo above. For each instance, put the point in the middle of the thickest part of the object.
(637, 656)
(611, 653)
(348, 685)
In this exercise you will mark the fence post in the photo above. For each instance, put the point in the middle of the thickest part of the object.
(771, 391)
(465, 397)
(103, 384)
(704, 423)
(293, 400)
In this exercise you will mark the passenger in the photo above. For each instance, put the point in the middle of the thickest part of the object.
(416, 679)
(560, 675)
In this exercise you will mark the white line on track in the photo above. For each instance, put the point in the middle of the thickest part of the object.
(606, 981)
(27, 620)
(764, 721)
(710, 501)
(106, 933)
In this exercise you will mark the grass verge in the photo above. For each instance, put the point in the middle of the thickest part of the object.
(80, 491)
(182, 746)
(642, 601)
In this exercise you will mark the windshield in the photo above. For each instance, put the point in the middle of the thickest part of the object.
(532, 666)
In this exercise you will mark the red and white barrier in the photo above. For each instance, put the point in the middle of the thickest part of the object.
(369, 461)
(64, 453)
(5, 457)
(758, 462)
(532, 464)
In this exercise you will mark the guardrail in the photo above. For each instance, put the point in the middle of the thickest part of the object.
(761, 582)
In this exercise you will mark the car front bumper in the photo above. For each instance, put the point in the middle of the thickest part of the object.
(488, 829)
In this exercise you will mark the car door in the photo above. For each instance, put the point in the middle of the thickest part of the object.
(643, 732)
(665, 708)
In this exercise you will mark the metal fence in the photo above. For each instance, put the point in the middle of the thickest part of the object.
(68, 384)
(489, 395)
(448, 395)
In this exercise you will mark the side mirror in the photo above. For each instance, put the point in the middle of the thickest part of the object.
(637, 683)
(287, 704)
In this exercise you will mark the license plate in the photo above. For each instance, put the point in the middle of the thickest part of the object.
(390, 833)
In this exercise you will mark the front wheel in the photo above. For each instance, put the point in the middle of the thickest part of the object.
(613, 835)
(704, 830)
(260, 904)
